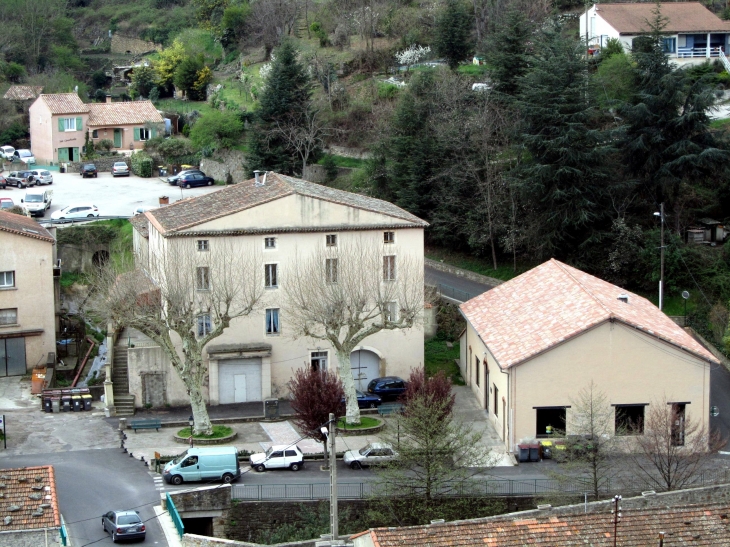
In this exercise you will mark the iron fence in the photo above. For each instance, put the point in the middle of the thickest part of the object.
(454, 293)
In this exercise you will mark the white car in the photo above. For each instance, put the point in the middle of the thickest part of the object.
(372, 454)
(142, 208)
(77, 210)
(280, 456)
(41, 176)
(6, 152)
(120, 169)
(24, 155)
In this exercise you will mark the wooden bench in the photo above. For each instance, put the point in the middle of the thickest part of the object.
(145, 424)
(390, 408)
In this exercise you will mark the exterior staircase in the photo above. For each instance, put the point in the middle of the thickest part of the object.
(123, 401)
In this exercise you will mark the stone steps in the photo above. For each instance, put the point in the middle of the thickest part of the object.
(124, 405)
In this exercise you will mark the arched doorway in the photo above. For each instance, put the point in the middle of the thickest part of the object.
(100, 258)
(365, 367)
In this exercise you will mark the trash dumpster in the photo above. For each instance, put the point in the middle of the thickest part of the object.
(77, 403)
(65, 403)
(547, 449)
(271, 408)
(524, 452)
(56, 404)
(87, 401)
(534, 452)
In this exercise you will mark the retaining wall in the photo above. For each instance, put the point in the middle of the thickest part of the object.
(318, 173)
(229, 161)
(103, 165)
(134, 46)
(466, 274)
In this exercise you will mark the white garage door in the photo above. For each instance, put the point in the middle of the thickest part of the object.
(365, 367)
(239, 381)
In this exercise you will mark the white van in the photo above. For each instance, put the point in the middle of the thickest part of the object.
(204, 464)
(37, 201)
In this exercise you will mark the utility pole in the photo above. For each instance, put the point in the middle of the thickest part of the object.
(333, 478)
(616, 512)
(660, 214)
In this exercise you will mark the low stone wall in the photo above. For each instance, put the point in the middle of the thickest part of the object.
(103, 165)
(133, 46)
(229, 161)
(471, 276)
(191, 540)
(348, 152)
(318, 173)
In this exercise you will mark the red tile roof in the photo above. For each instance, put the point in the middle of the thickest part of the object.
(64, 103)
(125, 113)
(28, 498)
(696, 526)
(558, 302)
(22, 92)
(684, 17)
(185, 214)
(140, 223)
(24, 226)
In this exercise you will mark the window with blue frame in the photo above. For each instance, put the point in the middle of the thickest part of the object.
(272, 321)
(670, 45)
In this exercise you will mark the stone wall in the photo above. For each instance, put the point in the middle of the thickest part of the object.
(347, 152)
(471, 276)
(213, 502)
(318, 173)
(191, 540)
(103, 165)
(30, 539)
(228, 161)
(134, 46)
(80, 258)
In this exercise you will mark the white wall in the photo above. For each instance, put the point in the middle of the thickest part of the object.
(598, 27)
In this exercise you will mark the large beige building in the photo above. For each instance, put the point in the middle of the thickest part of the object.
(532, 343)
(286, 219)
(27, 294)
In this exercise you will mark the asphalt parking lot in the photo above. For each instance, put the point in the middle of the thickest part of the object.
(113, 196)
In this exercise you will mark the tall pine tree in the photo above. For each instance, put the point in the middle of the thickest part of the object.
(453, 40)
(285, 97)
(508, 53)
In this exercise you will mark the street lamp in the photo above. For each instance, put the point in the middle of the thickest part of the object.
(330, 435)
(616, 512)
(685, 295)
(191, 421)
(660, 214)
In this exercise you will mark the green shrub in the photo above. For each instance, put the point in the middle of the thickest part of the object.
(387, 91)
(141, 164)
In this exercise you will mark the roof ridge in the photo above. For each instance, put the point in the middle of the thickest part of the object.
(583, 287)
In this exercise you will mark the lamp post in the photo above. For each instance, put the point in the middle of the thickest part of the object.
(330, 434)
(685, 295)
(191, 421)
(616, 512)
(660, 214)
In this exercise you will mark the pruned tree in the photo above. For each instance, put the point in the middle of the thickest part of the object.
(674, 448)
(182, 299)
(302, 131)
(345, 293)
(315, 394)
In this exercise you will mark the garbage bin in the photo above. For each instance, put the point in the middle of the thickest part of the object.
(47, 402)
(524, 452)
(534, 452)
(56, 404)
(547, 449)
(65, 403)
(271, 408)
(87, 401)
(78, 404)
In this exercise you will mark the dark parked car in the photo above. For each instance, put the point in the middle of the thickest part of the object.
(388, 387)
(3, 182)
(195, 179)
(21, 179)
(172, 179)
(366, 400)
(123, 525)
(89, 170)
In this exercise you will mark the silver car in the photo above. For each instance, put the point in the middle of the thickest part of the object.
(123, 525)
(372, 454)
(41, 176)
(120, 169)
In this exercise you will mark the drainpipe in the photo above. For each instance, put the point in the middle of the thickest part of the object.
(510, 442)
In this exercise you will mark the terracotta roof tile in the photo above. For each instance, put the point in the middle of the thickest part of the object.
(559, 302)
(33, 491)
(22, 92)
(141, 224)
(24, 226)
(185, 214)
(683, 526)
(685, 17)
(126, 113)
(64, 103)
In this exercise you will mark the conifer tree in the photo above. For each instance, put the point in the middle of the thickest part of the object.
(453, 40)
(507, 54)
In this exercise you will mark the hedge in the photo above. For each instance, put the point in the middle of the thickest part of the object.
(141, 164)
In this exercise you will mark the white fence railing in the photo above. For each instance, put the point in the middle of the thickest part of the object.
(690, 52)
(724, 60)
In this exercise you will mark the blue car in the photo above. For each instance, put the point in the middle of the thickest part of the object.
(387, 387)
(366, 400)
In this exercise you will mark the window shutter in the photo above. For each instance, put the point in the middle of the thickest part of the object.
(61, 125)
(136, 133)
(79, 124)
(154, 132)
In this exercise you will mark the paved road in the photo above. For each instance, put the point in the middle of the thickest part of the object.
(91, 482)
(720, 397)
(464, 288)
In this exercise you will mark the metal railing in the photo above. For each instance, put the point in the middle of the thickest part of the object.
(172, 510)
(454, 293)
(63, 532)
(692, 52)
(724, 60)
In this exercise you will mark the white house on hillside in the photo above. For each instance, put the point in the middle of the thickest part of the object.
(287, 219)
(693, 33)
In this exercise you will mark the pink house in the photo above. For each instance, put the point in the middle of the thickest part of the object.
(59, 123)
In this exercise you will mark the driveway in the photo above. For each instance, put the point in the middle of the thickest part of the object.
(113, 196)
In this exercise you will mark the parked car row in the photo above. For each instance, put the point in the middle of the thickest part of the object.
(23, 179)
(189, 178)
(11, 154)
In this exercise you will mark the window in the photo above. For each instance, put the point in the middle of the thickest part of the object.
(272, 321)
(669, 45)
(7, 279)
(269, 243)
(69, 124)
(202, 278)
(144, 134)
(630, 419)
(496, 400)
(391, 311)
(204, 325)
(389, 268)
(331, 240)
(477, 369)
(678, 412)
(549, 420)
(203, 245)
(388, 237)
(271, 271)
(9, 316)
(319, 360)
(331, 270)
(95, 134)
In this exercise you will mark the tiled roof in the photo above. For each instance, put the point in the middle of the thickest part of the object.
(28, 497)
(24, 226)
(554, 302)
(684, 17)
(64, 103)
(187, 213)
(126, 113)
(22, 92)
(141, 224)
(695, 526)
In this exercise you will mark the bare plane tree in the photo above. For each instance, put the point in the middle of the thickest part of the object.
(346, 293)
(303, 132)
(182, 299)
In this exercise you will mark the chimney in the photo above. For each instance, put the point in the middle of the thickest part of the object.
(108, 99)
(624, 298)
(256, 175)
